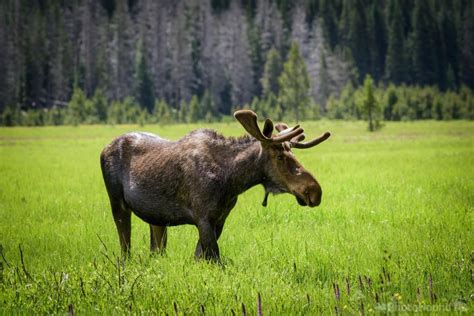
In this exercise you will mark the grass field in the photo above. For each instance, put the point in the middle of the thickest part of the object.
(394, 231)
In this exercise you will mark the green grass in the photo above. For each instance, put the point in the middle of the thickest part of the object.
(397, 211)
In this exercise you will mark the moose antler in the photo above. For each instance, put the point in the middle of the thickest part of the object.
(295, 142)
(312, 143)
(248, 119)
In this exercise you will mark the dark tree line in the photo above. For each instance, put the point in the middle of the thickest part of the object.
(225, 53)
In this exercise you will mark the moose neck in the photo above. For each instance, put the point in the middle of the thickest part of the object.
(246, 167)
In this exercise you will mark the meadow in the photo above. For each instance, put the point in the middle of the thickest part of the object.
(394, 231)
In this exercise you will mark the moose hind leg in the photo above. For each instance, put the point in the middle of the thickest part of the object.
(122, 218)
(158, 238)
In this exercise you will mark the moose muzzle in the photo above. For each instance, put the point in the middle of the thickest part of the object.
(308, 192)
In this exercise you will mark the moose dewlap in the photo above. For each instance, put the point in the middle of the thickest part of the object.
(197, 179)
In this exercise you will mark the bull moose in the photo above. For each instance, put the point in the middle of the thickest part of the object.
(197, 179)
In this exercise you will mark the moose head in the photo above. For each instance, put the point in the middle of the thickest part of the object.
(283, 173)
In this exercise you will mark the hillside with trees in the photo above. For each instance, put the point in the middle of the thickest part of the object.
(141, 61)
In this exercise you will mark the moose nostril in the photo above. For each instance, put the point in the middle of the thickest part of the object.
(314, 196)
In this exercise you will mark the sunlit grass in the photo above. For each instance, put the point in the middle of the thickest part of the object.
(397, 212)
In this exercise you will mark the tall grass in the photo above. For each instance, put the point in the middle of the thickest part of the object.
(394, 231)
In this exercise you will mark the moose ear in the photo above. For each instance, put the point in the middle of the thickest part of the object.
(281, 127)
(268, 128)
(248, 119)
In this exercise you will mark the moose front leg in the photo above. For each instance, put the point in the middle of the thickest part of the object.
(218, 231)
(207, 247)
(158, 238)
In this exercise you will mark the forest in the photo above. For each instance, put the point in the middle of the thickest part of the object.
(145, 61)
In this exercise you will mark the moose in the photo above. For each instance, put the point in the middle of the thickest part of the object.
(197, 179)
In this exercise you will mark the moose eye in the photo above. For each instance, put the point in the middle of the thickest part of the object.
(280, 157)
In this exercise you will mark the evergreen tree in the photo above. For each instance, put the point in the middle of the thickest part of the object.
(377, 41)
(32, 87)
(144, 90)
(358, 41)
(311, 9)
(194, 110)
(347, 102)
(294, 83)
(467, 50)
(207, 105)
(450, 79)
(183, 112)
(162, 112)
(329, 21)
(256, 106)
(194, 27)
(343, 24)
(324, 91)
(255, 46)
(130, 110)
(395, 61)
(115, 113)
(334, 111)
(99, 105)
(272, 70)
(77, 107)
(425, 63)
(390, 101)
(450, 49)
(273, 107)
(369, 105)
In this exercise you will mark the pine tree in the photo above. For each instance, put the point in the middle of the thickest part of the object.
(377, 41)
(77, 107)
(358, 41)
(311, 9)
(343, 24)
(450, 79)
(207, 105)
(115, 113)
(395, 61)
(329, 21)
(467, 49)
(450, 48)
(194, 29)
(294, 83)
(162, 112)
(100, 104)
(256, 54)
(194, 110)
(272, 70)
(183, 111)
(130, 110)
(324, 91)
(369, 104)
(390, 101)
(273, 107)
(425, 63)
(144, 90)
(34, 77)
